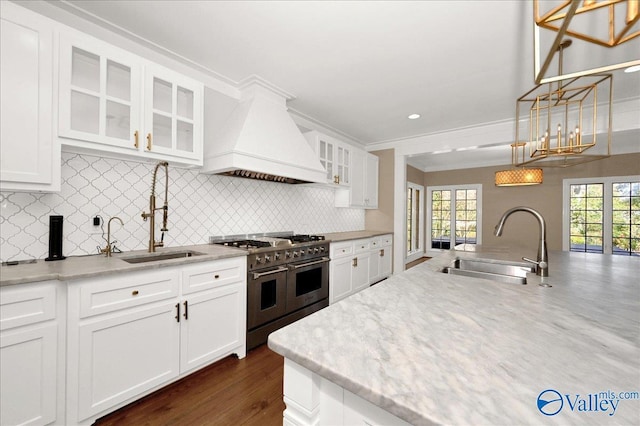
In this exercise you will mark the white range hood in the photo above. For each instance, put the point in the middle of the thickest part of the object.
(261, 141)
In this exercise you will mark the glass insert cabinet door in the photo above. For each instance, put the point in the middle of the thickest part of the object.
(172, 108)
(344, 163)
(326, 158)
(99, 93)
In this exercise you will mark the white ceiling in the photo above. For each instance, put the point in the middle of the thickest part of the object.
(361, 67)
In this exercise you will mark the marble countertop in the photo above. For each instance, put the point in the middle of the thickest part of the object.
(436, 348)
(86, 266)
(337, 237)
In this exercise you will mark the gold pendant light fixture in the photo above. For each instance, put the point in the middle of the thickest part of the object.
(557, 122)
(518, 176)
(554, 18)
(607, 23)
(565, 116)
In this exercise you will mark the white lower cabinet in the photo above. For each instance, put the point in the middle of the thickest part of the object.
(360, 268)
(380, 266)
(356, 264)
(130, 334)
(31, 371)
(340, 278)
(213, 327)
(124, 355)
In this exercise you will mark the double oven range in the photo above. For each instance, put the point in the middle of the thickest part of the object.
(287, 279)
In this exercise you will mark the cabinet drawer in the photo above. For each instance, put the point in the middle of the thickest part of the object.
(120, 291)
(27, 304)
(360, 246)
(341, 249)
(205, 276)
(386, 240)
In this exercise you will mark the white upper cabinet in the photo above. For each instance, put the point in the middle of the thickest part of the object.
(334, 155)
(100, 96)
(173, 114)
(118, 103)
(29, 154)
(371, 181)
(363, 191)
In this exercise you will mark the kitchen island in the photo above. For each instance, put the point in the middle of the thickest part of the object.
(425, 347)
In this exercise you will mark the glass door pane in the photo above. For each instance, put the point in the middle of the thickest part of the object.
(118, 122)
(162, 96)
(85, 91)
(184, 121)
(184, 136)
(185, 103)
(586, 210)
(162, 114)
(118, 106)
(85, 112)
(85, 70)
(118, 81)
(162, 131)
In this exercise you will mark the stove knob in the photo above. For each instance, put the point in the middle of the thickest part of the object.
(276, 256)
(267, 258)
(287, 254)
(316, 250)
(295, 253)
(310, 251)
(258, 259)
(322, 249)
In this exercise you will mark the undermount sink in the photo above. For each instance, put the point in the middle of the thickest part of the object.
(507, 272)
(153, 257)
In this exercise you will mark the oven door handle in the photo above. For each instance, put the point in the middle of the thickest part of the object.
(257, 275)
(324, 259)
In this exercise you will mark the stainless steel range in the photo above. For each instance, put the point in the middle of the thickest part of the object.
(287, 279)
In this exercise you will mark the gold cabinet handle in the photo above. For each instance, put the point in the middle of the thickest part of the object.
(336, 179)
(134, 293)
(354, 263)
(136, 139)
(381, 252)
(149, 143)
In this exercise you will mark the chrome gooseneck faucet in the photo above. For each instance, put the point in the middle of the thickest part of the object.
(152, 208)
(542, 261)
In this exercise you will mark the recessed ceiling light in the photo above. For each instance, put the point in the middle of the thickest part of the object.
(634, 68)
(413, 116)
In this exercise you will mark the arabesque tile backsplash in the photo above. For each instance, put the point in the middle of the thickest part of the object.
(199, 206)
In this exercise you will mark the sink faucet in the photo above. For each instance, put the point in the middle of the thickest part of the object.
(152, 208)
(542, 261)
(107, 250)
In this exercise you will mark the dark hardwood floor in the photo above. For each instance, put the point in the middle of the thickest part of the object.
(416, 262)
(230, 392)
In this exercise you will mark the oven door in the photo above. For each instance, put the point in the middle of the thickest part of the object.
(266, 295)
(307, 283)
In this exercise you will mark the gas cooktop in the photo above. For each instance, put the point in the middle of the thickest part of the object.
(260, 242)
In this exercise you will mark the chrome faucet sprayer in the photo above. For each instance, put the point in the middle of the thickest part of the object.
(152, 208)
(542, 261)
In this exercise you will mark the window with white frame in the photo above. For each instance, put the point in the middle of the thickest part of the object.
(454, 216)
(415, 219)
(602, 215)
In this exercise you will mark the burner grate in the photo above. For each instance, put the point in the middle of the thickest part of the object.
(246, 244)
(304, 238)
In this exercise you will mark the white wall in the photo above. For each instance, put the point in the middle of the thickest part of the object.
(199, 206)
